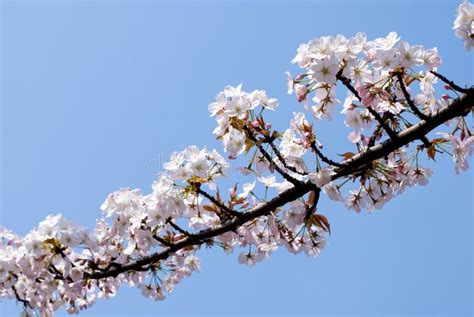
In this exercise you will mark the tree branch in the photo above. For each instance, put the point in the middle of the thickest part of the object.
(459, 107)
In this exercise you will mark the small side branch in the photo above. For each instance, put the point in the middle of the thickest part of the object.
(392, 134)
(450, 82)
(281, 158)
(219, 204)
(18, 298)
(410, 102)
(347, 82)
(178, 228)
(324, 158)
(267, 156)
(314, 202)
(375, 135)
(162, 241)
(413, 107)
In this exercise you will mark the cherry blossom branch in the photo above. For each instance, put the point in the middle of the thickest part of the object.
(450, 82)
(459, 107)
(143, 240)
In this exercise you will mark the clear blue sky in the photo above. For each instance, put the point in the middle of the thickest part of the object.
(95, 93)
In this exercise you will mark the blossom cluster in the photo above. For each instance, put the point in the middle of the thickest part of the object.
(54, 264)
(371, 68)
(377, 75)
(231, 107)
(464, 24)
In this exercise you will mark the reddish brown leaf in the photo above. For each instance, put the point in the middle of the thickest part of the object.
(431, 152)
(209, 208)
(321, 221)
(347, 155)
(311, 198)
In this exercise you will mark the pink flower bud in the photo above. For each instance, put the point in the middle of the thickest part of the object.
(301, 91)
(300, 76)
(354, 137)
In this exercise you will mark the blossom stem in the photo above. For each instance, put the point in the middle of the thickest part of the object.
(281, 158)
(324, 158)
(347, 82)
(178, 228)
(267, 156)
(408, 99)
(162, 241)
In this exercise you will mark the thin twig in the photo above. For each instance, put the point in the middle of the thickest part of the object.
(314, 204)
(178, 228)
(450, 82)
(347, 82)
(18, 298)
(267, 156)
(324, 158)
(392, 134)
(410, 102)
(218, 203)
(281, 158)
(162, 241)
(413, 107)
(373, 138)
